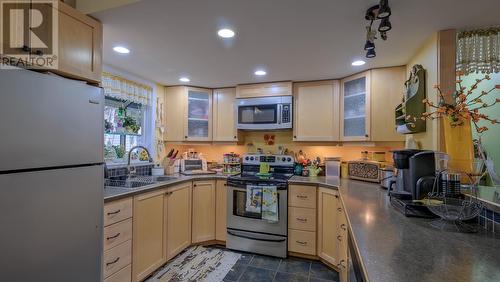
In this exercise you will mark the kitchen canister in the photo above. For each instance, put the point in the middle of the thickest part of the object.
(332, 166)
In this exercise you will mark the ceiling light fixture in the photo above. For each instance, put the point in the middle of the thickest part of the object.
(358, 63)
(384, 10)
(184, 79)
(225, 33)
(385, 25)
(121, 50)
(260, 72)
(371, 53)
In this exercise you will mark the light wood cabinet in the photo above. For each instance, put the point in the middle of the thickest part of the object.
(328, 222)
(264, 89)
(224, 115)
(343, 264)
(302, 196)
(355, 108)
(117, 258)
(80, 44)
(387, 88)
(203, 228)
(220, 210)
(122, 275)
(117, 233)
(178, 219)
(302, 242)
(316, 111)
(149, 242)
(117, 211)
(188, 114)
(302, 219)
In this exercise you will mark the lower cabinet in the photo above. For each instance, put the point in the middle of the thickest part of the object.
(302, 219)
(149, 242)
(220, 210)
(203, 227)
(328, 222)
(178, 217)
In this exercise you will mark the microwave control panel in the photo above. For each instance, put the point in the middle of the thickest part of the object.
(285, 113)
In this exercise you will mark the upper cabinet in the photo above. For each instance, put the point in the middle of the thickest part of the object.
(316, 111)
(387, 90)
(188, 114)
(224, 115)
(355, 108)
(78, 41)
(264, 90)
(80, 44)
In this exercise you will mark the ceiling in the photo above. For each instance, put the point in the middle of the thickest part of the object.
(291, 39)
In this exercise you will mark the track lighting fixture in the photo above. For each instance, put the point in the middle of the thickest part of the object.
(385, 25)
(381, 12)
(384, 10)
(371, 53)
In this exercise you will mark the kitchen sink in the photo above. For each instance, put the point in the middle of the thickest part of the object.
(132, 182)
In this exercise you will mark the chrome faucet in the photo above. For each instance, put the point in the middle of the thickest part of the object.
(130, 169)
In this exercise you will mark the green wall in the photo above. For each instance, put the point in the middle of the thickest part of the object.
(490, 138)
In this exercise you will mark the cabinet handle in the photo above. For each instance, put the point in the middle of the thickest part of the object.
(225, 184)
(169, 193)
(113, 262)
(339, 209)
(26, 48)
(343, 226)
(302, 219)
(366, 135)
(194, 185)
(339, 238)
(294, 136)
(38, 53)
(301, 197)
(234, 137)
(336, 196)
(185, 137)
(115, 212)
(300, 242)
(341, 263)
(113, 237)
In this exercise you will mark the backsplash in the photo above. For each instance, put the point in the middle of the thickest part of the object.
(122, 171)
(252, 140)
(490, 220)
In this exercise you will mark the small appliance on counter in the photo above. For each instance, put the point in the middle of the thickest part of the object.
(332, 166)
(364, 170)
(386, 176)
(195, 167)
(415, 175)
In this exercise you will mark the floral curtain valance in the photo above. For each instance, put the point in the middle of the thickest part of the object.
(478, 51)
(124, 89)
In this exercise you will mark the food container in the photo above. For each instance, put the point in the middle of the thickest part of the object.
(386, 176)
(157, 171)
(343, 170)
(332, 166)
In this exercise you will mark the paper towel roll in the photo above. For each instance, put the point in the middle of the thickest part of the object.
(403, 129)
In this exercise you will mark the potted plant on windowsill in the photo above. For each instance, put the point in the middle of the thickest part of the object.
(463, 111)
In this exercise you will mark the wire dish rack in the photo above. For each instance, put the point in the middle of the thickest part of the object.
(456, 213)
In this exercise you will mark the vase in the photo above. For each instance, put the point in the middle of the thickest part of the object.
(459, 146)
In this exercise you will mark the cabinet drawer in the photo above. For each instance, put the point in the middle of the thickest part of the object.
(117, 258)
(302, 196)
(117, 211)
(302, 219)
(117, 233)
(123, 275)
(303, 242)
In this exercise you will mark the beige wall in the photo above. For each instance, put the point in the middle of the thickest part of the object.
(427, 56)
(214, 152)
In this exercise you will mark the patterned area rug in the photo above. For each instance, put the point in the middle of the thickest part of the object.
(198, 264)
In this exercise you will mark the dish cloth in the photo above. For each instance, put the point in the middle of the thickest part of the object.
(254, 199)
(270, 203)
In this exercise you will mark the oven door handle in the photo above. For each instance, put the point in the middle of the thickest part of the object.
(258, 239)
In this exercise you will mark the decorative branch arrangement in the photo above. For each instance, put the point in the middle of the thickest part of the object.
(463, 107)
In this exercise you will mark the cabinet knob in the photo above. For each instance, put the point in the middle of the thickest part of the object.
(339, 209)
(341, 264)
(339, 238)
(38, 53)
(194, 185)
(343, 226)
(336, 196)
(366, 135)
(235, 137)
(295, 137)
(26, 48)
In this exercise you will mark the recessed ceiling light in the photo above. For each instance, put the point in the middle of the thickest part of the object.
(184, 79)
(358, 63)
(260, 72)
(225, 33)
(121, 50)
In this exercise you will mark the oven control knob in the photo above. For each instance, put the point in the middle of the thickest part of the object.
(289, 159)
(246, 158)
(251, 158)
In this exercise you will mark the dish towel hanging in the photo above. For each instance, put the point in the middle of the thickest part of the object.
(270, 203)
(254, 199)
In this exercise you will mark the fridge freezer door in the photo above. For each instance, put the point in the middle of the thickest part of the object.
(51, 225)
(49, 121)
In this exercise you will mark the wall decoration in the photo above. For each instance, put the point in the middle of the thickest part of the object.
(408, 113)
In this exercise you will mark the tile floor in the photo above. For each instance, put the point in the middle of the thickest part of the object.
(257, 268)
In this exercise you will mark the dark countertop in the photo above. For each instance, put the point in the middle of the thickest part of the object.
(115, 193)
(393, 247)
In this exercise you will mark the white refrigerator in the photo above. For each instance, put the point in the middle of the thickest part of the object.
(51, 178)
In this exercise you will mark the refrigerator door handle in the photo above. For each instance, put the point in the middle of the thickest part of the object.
(93, 101)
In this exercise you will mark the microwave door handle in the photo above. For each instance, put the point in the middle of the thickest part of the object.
(279, 113)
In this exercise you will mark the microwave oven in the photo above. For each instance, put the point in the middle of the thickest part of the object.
(265, 113)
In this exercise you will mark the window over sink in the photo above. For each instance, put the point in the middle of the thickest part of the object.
(127, 119)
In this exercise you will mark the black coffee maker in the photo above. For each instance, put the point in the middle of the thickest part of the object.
(415, 174)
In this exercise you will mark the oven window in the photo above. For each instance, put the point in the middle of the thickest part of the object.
(258, 114)
(239, 205)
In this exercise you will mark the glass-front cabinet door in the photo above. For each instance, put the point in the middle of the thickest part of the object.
(355, 108)
(198, 126)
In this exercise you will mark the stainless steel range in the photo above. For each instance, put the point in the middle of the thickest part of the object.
(248, 229)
